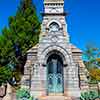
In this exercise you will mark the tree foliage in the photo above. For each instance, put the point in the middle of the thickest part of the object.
(91, 54)
(5, 75)
(92, 63)
(21, 34)
(95, 74)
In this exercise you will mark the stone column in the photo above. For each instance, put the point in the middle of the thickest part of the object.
(73, 81)
(43, 77)
(25, 82)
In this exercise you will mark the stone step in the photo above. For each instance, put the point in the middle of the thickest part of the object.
(55, 98)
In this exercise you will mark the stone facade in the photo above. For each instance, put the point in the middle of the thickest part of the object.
(54, 39)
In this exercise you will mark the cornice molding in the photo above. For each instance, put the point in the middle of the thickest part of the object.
(54, 14)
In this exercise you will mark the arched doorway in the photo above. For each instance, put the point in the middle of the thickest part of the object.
(55, 74)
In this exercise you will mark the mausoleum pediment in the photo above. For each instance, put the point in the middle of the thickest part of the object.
(75, 49)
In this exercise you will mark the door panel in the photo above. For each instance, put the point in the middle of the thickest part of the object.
(55, 77)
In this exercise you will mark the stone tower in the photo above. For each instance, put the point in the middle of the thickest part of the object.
(54, 66)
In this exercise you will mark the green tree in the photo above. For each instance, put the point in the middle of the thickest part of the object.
(6, 47)
(91, 54)
(92, 63)
(21, 35)
(5, 75)
(25, 26)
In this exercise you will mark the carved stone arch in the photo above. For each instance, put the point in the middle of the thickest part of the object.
(57, 49)
(54, 21)
(55, 52)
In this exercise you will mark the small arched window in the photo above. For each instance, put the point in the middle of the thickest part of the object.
(53, 27)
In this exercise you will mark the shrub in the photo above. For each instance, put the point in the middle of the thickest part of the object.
(89, 95)
(23, 94)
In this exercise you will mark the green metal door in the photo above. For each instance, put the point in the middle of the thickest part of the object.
(55, 76)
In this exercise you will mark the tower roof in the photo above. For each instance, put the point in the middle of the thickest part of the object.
(53, 1)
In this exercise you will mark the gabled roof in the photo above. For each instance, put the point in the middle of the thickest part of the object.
(75, 49)
(33, 48)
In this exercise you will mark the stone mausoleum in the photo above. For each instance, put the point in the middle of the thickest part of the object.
(54, 69)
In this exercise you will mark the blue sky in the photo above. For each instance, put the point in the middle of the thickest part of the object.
(83, 19)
